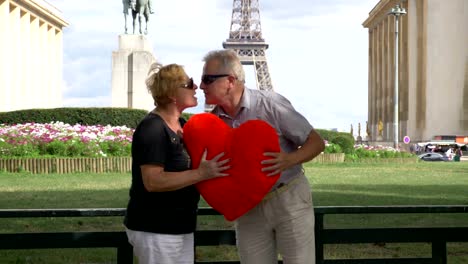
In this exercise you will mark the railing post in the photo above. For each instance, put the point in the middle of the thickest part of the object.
(439, 252)
(318, 238)
(125, 254)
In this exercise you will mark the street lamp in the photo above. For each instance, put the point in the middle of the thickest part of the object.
(397, 11)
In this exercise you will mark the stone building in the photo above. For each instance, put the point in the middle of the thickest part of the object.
(433, 70)
(31, 48)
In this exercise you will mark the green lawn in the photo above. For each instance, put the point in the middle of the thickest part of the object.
(332, 184)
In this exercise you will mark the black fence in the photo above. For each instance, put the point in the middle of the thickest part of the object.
(438, 237)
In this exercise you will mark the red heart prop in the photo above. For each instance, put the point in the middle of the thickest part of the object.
(246, 185)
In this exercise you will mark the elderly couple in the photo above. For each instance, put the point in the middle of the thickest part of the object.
(162, 210)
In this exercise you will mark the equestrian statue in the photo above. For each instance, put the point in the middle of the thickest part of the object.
(139, 8)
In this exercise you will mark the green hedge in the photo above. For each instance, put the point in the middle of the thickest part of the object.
(84, 116)
(344, 140)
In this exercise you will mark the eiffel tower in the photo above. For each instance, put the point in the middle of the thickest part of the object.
(245, 37)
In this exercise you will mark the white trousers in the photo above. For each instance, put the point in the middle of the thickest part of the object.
(152, 248)
(282, 223)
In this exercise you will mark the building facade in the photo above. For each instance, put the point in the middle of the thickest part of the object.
(31, 48)
(433, 70)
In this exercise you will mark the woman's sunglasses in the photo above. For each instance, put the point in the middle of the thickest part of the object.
(189, 85)
(209, 79)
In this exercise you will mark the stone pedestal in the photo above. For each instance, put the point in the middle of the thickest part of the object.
(130, 65)
(359, 139)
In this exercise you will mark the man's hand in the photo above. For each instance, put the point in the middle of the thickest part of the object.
(279, 162)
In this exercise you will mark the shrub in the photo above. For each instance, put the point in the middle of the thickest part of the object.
(346, 144)
(344, 140)
(332, 148)
(84, 116)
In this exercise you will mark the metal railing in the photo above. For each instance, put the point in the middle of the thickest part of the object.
(438, 237)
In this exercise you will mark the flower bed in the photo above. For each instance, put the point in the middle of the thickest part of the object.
(63, 148)
(57, 139)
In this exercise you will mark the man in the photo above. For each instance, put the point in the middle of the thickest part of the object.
(284, 221)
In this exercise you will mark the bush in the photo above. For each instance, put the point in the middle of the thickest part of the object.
(332, 148)
(84, 116)
(346, 144)
(344, 140)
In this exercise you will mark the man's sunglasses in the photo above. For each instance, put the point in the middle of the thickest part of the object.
(189, 85)
(209, 79)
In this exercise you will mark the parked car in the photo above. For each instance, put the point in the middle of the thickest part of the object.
(433, 156)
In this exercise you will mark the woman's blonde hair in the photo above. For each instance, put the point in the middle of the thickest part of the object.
(162, 82)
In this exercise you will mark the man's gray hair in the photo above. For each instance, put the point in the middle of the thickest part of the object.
(230, 63)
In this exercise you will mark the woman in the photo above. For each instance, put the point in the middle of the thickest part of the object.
(162, 210)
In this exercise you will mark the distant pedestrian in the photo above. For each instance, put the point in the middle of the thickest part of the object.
(458, 154)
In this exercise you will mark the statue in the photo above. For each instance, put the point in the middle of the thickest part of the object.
(128, 4)
(368, 132)
(380, 127)
(140, 9)
(359, 138)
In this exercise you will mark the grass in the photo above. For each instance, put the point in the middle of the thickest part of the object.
(332, 184)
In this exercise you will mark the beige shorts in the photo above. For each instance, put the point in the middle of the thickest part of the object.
(283, 223)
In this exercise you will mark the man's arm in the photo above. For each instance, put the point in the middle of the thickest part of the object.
(281, 161)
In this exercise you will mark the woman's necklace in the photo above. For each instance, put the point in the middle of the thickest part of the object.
(175, 127)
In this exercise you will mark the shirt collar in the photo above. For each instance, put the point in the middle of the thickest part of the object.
(244, 103)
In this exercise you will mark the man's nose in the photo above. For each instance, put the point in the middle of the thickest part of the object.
(202, 86)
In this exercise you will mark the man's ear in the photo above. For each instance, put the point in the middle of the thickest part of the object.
(232, 79)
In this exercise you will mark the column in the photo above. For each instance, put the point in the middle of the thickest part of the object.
(370, 85)
(15, 58)
(403, 66)
(59, 68)
(385, 87)
(374, 120)
(5, 55)
(35, 64)
(25, 68)
(41, 98)
(381, 77)
(51, 83)
(390, 74)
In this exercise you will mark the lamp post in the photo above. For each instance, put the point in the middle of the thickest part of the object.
(397, 11)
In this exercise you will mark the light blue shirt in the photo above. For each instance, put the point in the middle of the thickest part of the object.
(292, 128)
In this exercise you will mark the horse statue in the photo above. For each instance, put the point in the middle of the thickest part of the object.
(140, 9)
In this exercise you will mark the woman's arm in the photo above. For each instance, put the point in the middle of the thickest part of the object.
(155, 179)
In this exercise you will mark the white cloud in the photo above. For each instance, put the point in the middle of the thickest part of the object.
(317, 56)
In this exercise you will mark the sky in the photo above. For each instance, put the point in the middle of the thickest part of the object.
(317, 56)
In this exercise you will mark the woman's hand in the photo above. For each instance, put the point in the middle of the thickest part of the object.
(213, 168)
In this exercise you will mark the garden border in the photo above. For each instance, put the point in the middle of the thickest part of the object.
(98, 165)
(66, 165)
